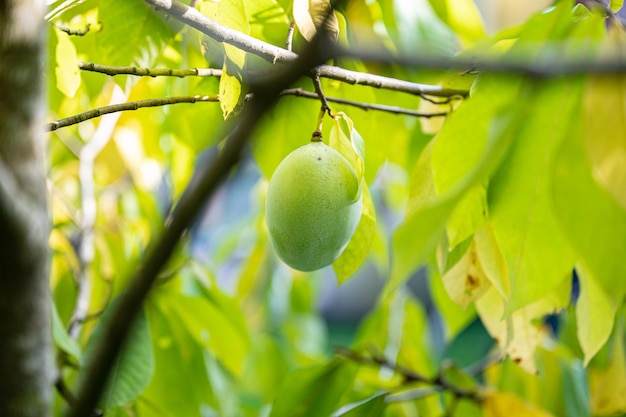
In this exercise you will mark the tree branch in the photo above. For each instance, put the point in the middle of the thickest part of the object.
(149, 72)
(408, 375)
(132, 105)
(299, 92)
(274, 54)
(200, 188)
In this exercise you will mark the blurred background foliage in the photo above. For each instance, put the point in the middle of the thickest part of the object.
(513, 189)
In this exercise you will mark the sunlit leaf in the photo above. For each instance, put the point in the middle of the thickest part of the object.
(466, 280)
(418, 236)
(348, 142)
(132, 33)
(67, 73)
(355, 253)
(230, 13)
(608, 384)
(463, 16)
(373, 406)
(537, 254)
(522, 332)
(595, 314)
(585, 211)
(605, 120)
(310, 15)
(502, 404)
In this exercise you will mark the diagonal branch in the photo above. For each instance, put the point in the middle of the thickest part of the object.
(201, 187)
(132, 105)
(149, 72)
(274, 54)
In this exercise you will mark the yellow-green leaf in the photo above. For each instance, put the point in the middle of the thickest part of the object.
(67, 73)
(605, 120)
(355, 253)
(504, 404)
(595, 314)
(466, 280)
(348, 142)
(538, 256)
(608, 385)
(520, 333)
(230, 13)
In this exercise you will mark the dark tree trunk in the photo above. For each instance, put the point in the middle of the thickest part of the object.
(25, 352)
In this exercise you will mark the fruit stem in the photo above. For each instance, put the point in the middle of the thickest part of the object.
(317, 135)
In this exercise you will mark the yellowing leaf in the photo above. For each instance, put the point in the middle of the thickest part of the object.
(465, 282)
(518, 334)
(595, 314)
(492, 261)
(67, 73)
(503, 404)
(608, 385)
(605, 120)
(355, 253)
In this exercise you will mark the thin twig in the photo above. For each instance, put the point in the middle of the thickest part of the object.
(275, 54)
(132, 105)
(299, 92)
(320, 93)
(149, 72)
(408, 375)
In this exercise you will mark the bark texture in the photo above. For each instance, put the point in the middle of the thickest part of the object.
(25, 351)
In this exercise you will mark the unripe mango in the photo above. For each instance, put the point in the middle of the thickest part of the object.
(313, 206)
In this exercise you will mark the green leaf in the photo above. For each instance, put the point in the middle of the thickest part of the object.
(283, 129)
(359, 245)
(133, 369)
(61, 337)
(605, 120)
(463, 17)
(586, 211)
(615, 5)
(132, 33)
(66, 71)
(459, 147)
(180, 386)
(232, 14)
(538, 256)
(373, 406)
(425, 221)
(595, 314)
(348, 142)
(314, 391)
(608, 384)
(211, 324)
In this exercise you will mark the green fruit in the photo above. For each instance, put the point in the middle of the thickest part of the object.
(313, 206)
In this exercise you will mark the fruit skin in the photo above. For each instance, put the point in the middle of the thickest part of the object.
(313, 206)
